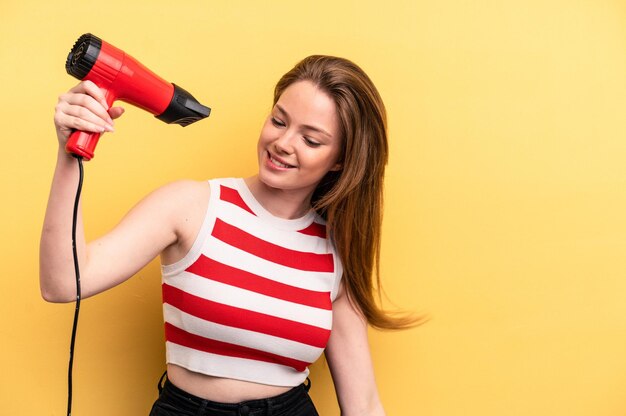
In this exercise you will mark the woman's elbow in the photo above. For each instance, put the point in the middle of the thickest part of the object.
(54, 297)
(55, 294)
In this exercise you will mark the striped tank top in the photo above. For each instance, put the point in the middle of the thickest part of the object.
(252, 300)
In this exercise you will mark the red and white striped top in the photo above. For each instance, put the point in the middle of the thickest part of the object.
(252, 300)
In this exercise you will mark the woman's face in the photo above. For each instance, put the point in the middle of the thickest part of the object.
(300, 140)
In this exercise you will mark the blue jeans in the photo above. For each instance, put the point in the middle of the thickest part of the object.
(173, 401)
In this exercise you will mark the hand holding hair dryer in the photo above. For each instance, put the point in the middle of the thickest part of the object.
(122, 77)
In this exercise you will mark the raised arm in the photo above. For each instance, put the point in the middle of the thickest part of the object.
(350, 362)
(148, 229)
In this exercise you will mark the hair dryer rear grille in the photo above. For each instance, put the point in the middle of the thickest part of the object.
(83, 55)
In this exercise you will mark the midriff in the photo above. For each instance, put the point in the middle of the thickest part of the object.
(218, 389)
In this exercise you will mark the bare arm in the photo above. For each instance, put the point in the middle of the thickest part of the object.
(350, 362)
(149, 228)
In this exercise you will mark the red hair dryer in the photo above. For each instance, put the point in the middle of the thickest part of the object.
(121, 77)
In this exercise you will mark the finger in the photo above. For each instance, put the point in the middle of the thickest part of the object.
(87, 102)
(78, 117)
(116, 112)
(89, 88)
(76, 123)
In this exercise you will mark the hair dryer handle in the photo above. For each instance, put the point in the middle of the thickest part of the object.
(83, 143)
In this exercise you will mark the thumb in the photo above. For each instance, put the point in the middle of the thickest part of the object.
(116, 112)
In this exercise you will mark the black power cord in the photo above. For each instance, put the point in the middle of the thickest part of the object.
(78, 291)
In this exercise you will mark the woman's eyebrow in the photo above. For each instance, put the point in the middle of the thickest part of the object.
(306, 126)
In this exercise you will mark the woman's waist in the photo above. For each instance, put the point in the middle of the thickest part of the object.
(219, 389)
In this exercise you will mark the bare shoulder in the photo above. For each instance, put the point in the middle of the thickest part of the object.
(185, 188)
(186, 203)
(183, 199)
(177, 195)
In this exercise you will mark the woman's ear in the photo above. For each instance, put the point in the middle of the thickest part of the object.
(339, 162)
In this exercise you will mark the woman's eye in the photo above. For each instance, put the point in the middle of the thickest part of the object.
(311, 143)
(277, 122)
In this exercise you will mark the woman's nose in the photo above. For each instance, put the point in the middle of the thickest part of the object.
(284, 142)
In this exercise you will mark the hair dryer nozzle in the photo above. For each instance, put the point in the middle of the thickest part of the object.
(83, 55)
(184, 109)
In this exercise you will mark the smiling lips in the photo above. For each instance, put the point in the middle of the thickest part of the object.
(278, 163)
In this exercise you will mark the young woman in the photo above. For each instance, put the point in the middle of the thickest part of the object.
(256, 271)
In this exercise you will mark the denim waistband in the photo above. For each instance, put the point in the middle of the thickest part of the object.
(271, 406)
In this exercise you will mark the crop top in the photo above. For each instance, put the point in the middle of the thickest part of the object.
(252, 300)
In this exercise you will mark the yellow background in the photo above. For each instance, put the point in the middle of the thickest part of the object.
(505, 197)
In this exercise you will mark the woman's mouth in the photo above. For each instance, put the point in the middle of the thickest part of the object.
(278, 163)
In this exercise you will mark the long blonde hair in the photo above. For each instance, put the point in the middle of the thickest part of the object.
(351, 199)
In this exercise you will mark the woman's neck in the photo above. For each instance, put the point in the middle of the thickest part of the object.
(279, 202)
